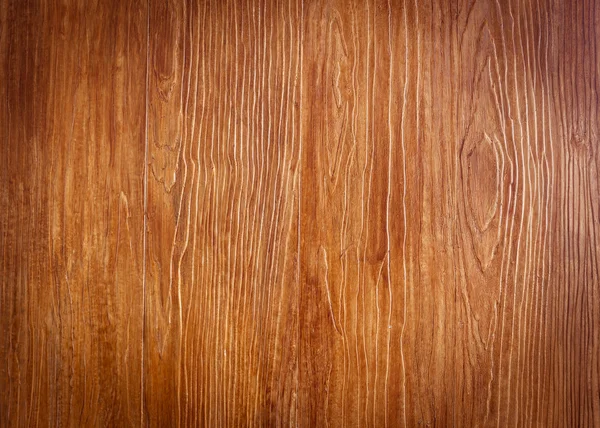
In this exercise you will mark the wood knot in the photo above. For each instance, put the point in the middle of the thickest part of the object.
(580, 143)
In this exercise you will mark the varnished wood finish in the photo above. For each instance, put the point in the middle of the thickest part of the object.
(302, 213)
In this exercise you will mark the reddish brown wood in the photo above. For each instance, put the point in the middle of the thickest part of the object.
(301, 213)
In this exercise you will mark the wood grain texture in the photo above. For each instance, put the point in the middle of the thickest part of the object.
(300, 213)
(72, 135)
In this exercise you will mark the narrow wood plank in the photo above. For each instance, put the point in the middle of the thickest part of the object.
(72, 148)
(223, 232)
(378, 300)
(348, 306)
(527, 127)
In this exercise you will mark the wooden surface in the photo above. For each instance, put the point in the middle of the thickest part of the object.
(300, 213)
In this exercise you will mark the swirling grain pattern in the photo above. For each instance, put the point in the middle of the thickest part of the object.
(299, 213)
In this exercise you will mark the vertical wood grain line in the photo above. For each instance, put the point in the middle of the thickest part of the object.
(145, 221)
(299, 175)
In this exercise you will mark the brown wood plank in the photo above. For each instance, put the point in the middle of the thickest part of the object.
(529, 346)
(72, 147)
(378, 294)
(223, 200)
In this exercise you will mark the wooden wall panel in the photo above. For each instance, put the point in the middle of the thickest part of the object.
(223, 213)
(301, 213)
(72, 143)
